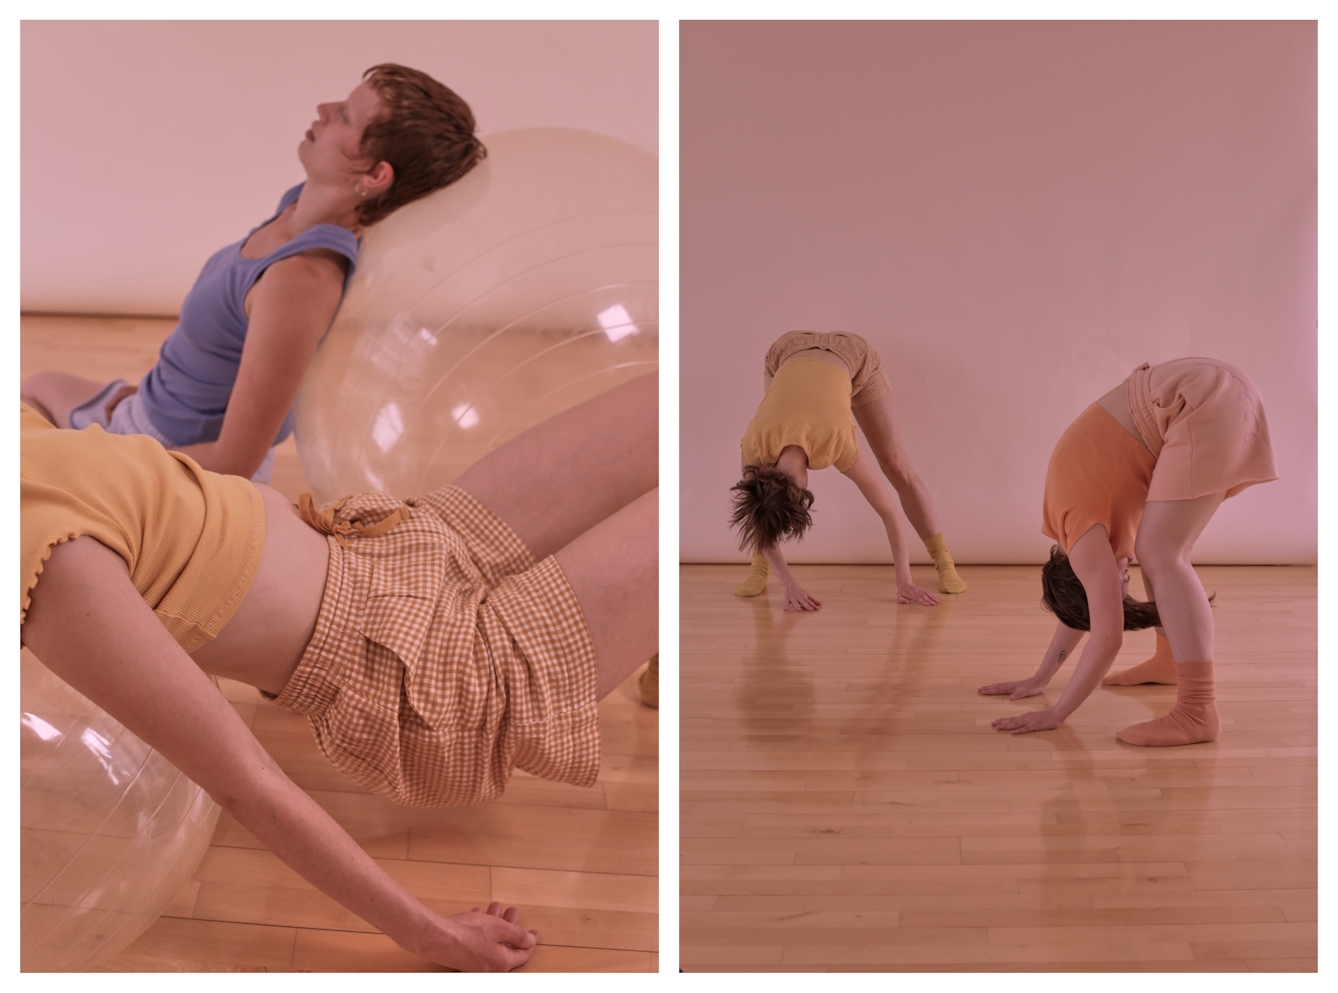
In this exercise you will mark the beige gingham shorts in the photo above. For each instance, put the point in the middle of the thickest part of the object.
(444, 656)
(868, 382)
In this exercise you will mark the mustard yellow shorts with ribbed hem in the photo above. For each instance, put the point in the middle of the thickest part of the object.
(868, 381)
(444, 655)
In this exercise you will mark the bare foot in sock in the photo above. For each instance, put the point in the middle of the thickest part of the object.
(948, 580)
(756, 583)
(1158, 669)
(1194, 717)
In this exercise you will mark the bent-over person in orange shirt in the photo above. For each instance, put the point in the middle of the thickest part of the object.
(1140, 473)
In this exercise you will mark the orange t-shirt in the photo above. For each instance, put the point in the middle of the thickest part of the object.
(1099, 474)
(807, 405)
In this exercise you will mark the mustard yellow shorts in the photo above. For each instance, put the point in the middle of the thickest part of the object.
(444, 655)
(868, 382)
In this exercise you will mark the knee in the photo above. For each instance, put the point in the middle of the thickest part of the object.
(1155, 558)
(896, 467)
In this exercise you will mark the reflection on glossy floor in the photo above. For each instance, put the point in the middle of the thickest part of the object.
(581, 864)
(846, 805)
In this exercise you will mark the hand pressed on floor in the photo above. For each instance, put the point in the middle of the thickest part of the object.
(908, 592)
(1036, 720)
(1014, 690)
(485, 941)
(797, 599)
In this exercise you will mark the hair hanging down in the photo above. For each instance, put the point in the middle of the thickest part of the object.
(1063, 595)
(769, 506)
(425, 132)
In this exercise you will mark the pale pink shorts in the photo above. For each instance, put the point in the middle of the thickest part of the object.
(1204, 421)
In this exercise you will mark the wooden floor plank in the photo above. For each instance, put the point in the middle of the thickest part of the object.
(845, 804)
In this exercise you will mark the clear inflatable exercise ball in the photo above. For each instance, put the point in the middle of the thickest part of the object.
(109, 829)
(523, 289)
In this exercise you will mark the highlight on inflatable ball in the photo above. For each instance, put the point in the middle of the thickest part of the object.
(110, 830)
(525, 288)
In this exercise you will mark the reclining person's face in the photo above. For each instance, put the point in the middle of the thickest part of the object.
(332, 146)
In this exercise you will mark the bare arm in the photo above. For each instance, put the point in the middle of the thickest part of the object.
(88, 625)
(290, 308)
(1062, 644)
(796, 598)
(870, 482)
(1094, 563)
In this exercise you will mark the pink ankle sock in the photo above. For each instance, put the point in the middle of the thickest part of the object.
(1194, 717)
(1158, 669)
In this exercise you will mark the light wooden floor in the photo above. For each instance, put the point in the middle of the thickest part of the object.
(846, 805)
(581, 864)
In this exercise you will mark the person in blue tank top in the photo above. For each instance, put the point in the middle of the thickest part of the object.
(227, 375)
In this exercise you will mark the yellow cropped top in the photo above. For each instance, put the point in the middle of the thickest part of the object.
(191, 538)
(807, 405)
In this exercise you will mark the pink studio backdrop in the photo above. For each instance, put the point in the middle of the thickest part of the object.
(1015, 215)
(148, 145)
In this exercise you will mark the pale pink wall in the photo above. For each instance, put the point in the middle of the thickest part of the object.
(1016, 215)
(148, 145)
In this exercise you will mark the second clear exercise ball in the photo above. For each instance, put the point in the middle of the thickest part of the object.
(109, 829)
(527, 287)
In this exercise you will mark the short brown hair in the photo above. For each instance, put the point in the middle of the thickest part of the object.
(425, 131)
(769, 506)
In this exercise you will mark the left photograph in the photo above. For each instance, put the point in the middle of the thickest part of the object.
(339, 487)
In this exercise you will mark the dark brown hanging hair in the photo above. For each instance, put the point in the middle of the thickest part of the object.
(1063, 595)
(769, 506)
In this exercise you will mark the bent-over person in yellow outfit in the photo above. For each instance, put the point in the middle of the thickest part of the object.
(818, 385)
(434, 643)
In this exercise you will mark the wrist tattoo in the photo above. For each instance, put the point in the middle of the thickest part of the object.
(1063, 656)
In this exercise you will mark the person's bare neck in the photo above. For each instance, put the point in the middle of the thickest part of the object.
(793, 461)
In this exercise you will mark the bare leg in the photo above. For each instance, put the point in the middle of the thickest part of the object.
(1166, 538)
(878, 421)
(613, 568)
(561, 478)
(1160, 668)
(55, 394)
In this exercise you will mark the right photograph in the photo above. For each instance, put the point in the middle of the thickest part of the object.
(1034, 686)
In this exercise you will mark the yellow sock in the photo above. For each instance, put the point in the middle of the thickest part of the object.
(649, 683)
(948, 580)
(756, 583)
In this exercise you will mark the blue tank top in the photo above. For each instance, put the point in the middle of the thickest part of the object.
(186, 394)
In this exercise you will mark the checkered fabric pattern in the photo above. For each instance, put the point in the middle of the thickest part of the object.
(444, 656)
(868, 382)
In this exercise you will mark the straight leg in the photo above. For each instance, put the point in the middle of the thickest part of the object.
(1166, 537)
(878, 421)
